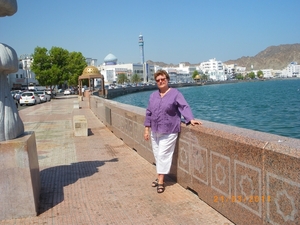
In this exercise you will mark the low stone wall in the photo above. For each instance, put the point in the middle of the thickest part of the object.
(248, 176)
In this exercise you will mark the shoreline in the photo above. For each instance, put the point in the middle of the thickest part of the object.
(113, 93)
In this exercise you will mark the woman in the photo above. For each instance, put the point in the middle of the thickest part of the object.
(163, 116)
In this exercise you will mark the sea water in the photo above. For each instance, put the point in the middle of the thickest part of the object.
(271, 106)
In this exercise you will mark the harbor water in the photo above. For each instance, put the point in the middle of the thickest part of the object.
(271, 106)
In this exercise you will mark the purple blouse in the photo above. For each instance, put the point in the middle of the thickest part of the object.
(163, 114)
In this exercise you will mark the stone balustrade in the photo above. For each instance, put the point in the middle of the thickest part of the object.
(248, 176)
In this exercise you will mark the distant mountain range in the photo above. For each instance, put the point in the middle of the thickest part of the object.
(273, 57)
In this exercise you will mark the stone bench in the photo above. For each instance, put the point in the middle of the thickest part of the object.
(80, 126)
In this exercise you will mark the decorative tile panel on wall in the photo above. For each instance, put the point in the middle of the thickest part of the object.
(183, 155)
(186, 140)
(135, 134)
(128, 127)
(220, 173)
(139, 137)
(283, 207)
(108, 115)
(248, 187)
(199, 163)
(122, 122)
(116, 121)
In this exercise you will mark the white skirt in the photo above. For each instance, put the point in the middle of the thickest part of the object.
(163, 146)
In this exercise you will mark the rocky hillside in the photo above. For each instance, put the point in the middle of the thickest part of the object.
(162, 64)
(273, 57)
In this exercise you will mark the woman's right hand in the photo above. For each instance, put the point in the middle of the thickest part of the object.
(146, 134)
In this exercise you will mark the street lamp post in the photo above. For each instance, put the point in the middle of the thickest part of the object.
(27, 77)
(26, 70)
(25, 67)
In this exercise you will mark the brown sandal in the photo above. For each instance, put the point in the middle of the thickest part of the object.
(155, 183)
(160, 188)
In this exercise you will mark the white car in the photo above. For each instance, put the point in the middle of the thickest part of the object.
(67, 92)
(29, 98)
(16, 94)
(49, 91)
(44, 96)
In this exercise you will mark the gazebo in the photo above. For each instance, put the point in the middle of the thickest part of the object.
(197, 78)
(91, 73)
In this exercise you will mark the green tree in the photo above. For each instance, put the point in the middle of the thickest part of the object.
(76, 64)
(195, 73)
(251, 75)
(239, 76)
(204, 76)
(135, 78)
(260, 74)
(41, 65)
(122, 78)
(56, 66)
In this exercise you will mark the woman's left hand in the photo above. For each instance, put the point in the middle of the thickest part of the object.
(195, 122)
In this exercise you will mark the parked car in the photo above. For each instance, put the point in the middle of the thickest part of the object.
(72, 91)
(16, 94)
(67, 92)
(44, 96)
(29, 98)
(49, 92)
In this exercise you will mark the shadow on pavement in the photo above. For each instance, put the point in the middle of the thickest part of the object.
(55, 178)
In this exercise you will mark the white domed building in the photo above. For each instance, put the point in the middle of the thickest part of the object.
(110, 69)
(110, 59)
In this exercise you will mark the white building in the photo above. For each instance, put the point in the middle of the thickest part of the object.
(110, 69)
(91, 62)
(214, 70)
(24, 77)
(180, 74)
(232, 69)
(267, 73)
(292, 70)
(277, 73)
(240, 69)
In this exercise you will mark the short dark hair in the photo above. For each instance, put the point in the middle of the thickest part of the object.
(162, 73)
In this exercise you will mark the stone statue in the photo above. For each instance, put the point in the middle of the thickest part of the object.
(11, 125)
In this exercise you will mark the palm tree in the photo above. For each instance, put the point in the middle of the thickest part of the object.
(204, 77)
(135, 78)
(122, 78)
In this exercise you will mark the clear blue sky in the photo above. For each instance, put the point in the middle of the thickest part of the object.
(174, 31)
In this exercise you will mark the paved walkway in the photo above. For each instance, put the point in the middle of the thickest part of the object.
(98, 179)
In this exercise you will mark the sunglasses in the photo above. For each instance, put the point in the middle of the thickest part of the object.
(160, 80)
